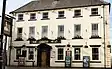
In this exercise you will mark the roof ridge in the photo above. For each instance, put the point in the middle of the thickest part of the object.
(41, 4)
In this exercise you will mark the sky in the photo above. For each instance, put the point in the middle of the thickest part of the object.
(14, 4)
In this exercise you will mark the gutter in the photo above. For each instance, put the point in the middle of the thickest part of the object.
(104, 38)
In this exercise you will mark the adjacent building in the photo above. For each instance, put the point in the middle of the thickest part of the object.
(54, 33)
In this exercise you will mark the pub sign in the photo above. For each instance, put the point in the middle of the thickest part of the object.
(8, 25)
(86, 61)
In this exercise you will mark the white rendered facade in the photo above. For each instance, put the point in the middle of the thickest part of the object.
(85, 22)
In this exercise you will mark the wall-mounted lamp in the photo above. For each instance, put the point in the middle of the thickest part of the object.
(86, 46)
(68, 45)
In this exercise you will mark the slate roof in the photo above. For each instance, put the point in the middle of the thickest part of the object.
(53, 4)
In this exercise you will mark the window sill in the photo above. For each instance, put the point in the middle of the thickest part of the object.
(95, 37)
(77, 16)
(60, 61)
(30, 61)
(45, 19)
(18, 39)
(78, 61)
(19, 20)
(17, 60)
(95, 15)
(95, 61)
(77, 38)
(61, 18)
(32, 19)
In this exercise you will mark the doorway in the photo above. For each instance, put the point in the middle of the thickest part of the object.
(43, 55)
(43, 62)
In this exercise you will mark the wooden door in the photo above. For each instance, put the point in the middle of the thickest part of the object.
(43, 62)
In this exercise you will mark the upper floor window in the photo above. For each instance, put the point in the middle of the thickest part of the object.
(31, 32)
(31, 54)
(60, 14)
(32, 16)
(95, 54)
(45, 15)
(60, 54)
(19, 32)
(44, 31)
(94, 11)
(77, 13)
(94, 29)
(77, 54)
(61, 30)
(20, 17)
(77, 30)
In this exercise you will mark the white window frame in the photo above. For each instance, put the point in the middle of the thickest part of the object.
(57, 53)
(74, 53)
(61, 15)
(94, 11)
(44, 34)
(76, 32)
(92, 31)
(31, 54)
(60, 32)
(20, 18)
(30, 33)
(77, 12)
(32, 17)
(17, 52)
(19, 35)
(45, 15)
(98, 54)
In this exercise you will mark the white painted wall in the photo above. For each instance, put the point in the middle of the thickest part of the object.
(68, 23)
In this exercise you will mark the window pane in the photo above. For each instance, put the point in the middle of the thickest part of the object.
(19, 30)
(31, 53)
(94, 11)
(76, 53)
(77, 12)
(32, 16)
(45, 15)
(60, 53)
(61, 14)
(95, 54)
(24, 53)
(44, 31)
(94, 29)
(31, 57)
(18, 53)
(61, 30)
(77, 30)
(31, 31)
(19, 33)
(20, 17)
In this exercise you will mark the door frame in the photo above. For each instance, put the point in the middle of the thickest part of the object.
(46, 48)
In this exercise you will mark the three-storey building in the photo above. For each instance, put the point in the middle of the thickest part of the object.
(45, 32)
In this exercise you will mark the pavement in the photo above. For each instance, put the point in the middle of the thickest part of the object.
(10, 67)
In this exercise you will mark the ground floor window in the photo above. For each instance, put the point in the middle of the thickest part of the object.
(18, 53)
(24, 53)
(77, 53)
(31, 54)
(95, 54)
(60, 54)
